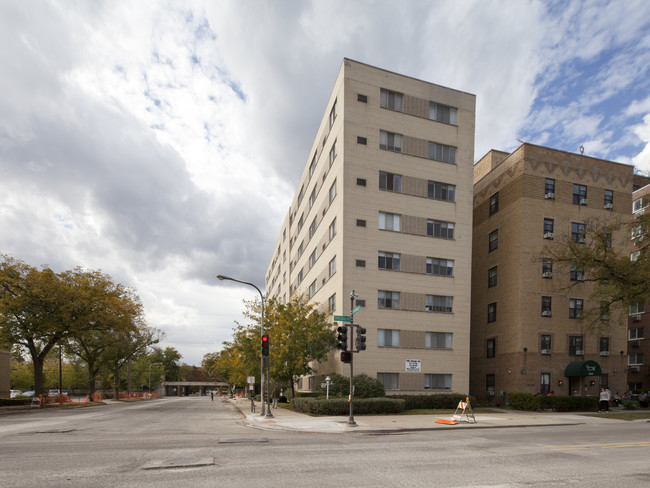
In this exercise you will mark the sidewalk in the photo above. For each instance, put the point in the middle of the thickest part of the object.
(284, 419)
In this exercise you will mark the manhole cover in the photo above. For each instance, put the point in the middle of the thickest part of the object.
(179, 463)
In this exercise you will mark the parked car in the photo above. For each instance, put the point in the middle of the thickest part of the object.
(27, 393)
(15, 393)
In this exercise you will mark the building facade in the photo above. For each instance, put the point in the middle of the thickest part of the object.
(638, 346)
(384, 208)
(527, 332)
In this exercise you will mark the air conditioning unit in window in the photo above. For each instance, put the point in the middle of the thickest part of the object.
(583, 201)
(604, 353)
(546, 352)
(581, 240)
(608, 206)
(636, 318)
(550, 195)
(633, 369)
(580, 278)
(548, 235)
(546, 313)
(604, 317)
(547, 274)
(490, 393)
(580, 352)
(635, 343)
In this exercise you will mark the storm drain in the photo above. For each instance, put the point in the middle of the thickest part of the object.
(179, 463)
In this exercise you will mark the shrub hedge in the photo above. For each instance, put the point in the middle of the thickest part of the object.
(528, 401)
(340, 406)
(8, 402)
(437, 401)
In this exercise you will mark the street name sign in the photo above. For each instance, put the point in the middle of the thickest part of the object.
(341, 318)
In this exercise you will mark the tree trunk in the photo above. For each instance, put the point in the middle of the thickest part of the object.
(116, 382)
(38, 374)
(91, 380)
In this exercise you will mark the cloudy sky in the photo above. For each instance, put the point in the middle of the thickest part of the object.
(161, 142)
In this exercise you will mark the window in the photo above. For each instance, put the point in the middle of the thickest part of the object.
(362, 140)
(438, 340)
(388, 299)
(312, 289)
(333, 114)
(391, 100)
(332, 229)
(301, 276)
(579, 194)
(362, 98)
(545, 344)
(577, 274)
(312, 166)
(491, 348)
(390, 141)
(361, 181)
(312, 197)
(578, 232)
(361, 223)
(494, 203)
(442, 113)
(548, 228)
(387, 338)
(361, 303)
(301, 195)
(437, 382)
(390, 182)
(603, 346)
(634, 255)
(312, 227)
(389, 380)
(332, 266)
(441, 191)
(608, 201)
(333, 192)
(333, 153)
(437, 228)
(545, 383)
(490, 385)
(389, 221)
(636, 232)
(546, 306)
(576, 347)
(388, 260)
(331, 303)
(639, 204)
(549, 189)
(635, 358)
(547, 269)
(492, 312)
(492, 277)
(575, 308)
(301, 222)
(301, 248)
(442, 152)
(312, 258)
(361, 263)
(439, 303)
(637, 308)
(636, 333)
(440, 267)
(493, 239)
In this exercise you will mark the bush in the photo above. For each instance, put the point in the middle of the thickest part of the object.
(364, 387)
(529, 402)
(340, 406)
(630, 405)
(436, 401)
(8, 402)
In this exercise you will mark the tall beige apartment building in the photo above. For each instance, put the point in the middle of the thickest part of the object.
(527, 332)
(384, 208)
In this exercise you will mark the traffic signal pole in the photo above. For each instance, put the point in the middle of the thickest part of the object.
(351, 419)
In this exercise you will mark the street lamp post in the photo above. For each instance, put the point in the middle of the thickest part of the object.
(268, 413)
(150, 375)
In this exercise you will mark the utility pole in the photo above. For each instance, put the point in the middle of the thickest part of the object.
(351, 419)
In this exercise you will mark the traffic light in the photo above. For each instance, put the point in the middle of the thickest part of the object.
(346, 356)
(343, 337)
(360, 341)
(265, 345)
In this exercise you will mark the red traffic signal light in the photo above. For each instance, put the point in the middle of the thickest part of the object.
(346, 356)
(265, 345)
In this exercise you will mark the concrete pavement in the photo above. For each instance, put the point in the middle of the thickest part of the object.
(285, 419)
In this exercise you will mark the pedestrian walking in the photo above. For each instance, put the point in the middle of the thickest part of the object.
(212, 395)
(603, 401)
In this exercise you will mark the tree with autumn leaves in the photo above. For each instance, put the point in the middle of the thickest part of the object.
(300, 336)
(84, 310)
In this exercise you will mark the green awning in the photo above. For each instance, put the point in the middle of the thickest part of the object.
(582, 368)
